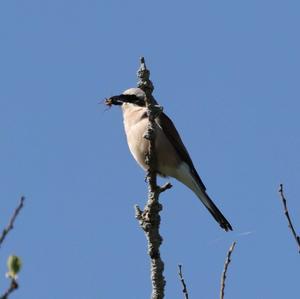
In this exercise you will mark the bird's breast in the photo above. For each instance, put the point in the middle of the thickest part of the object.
(135, 124)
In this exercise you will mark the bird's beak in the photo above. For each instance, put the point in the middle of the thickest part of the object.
(115, 100)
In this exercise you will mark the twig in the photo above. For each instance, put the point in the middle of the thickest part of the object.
(10, 225)
(13, 286)
(144, 82)
(184, 290)
(165, 187)
(149, 219)
(227, 262)
(286, 212)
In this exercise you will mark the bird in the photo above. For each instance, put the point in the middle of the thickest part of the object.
(172, 157)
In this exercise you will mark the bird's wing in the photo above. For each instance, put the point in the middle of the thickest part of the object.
(170, 131)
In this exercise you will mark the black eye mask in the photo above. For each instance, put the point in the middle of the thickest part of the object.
(131, 98)
(125, 98)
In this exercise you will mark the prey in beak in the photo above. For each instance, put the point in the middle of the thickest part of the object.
(115, 100)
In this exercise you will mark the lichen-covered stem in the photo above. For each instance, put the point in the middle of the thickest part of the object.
(149, 219)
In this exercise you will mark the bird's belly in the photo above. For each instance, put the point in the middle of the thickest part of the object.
(137, 144)
(166, 157)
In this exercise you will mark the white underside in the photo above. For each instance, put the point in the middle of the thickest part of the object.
(183, 174)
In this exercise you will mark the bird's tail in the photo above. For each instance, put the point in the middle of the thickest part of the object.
(193, 181)
(212, 208)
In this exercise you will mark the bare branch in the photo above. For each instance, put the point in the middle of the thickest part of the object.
(286, 212)
(184, 290)
(165, 187)
(144, 81)
(10, 225)
(227, 262)
(13, 286)
(149, 218)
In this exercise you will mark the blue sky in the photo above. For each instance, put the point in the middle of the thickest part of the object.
(226, 72)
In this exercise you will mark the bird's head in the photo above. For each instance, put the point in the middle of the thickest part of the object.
(134, 96)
